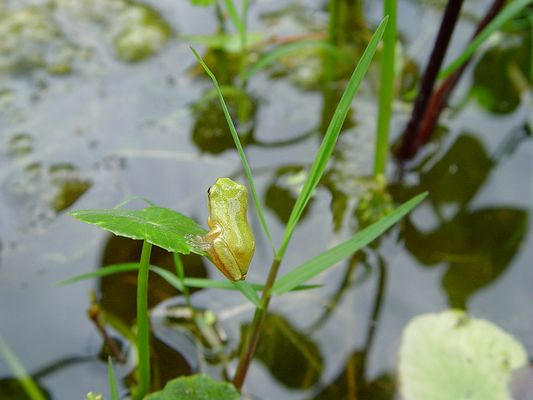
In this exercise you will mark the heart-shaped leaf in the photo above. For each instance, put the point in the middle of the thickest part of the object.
(196, 387)
(159, 226)
(452, 356)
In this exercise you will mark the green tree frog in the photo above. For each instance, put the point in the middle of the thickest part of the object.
(230, 242)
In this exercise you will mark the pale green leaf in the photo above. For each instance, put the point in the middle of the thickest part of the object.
(196, 387)
(452, 356)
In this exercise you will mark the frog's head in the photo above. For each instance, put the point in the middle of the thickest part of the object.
(227, 195)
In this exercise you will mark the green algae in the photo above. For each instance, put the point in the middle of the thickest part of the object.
(32, 39)
(142, 33)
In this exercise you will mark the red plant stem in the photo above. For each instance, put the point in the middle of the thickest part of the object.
(439, 100)
(411, 139)
(255, 328)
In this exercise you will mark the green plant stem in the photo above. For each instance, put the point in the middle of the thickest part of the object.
(143, 329)
(386, 89)
(113, 389)
(243, 61)
(181, 276)
(255, 329)
(244, 44)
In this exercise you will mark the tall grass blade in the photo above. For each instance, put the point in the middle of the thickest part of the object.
(180, 272)
(320, 263)
(512, 9)
(28, 384)
(238, 145)
(234, 15)
(248, 291)
(173, 280)
(332, 133)
(386, 89)
(113, 389)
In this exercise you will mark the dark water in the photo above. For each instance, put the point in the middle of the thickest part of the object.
(82, 128)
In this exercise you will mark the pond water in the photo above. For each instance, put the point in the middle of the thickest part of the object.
(102, 100)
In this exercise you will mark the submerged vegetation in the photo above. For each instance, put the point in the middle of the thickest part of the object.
(309, 100)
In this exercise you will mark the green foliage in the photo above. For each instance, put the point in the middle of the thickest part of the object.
(112, 381)
(159, 226)
(94, 396)
(330, 138)
(196, 387)
(200, 283)
(202, 3)
(143, 323)
(29, 386)
(248, 291)
(386, 89)
(320, 263)
(452, 356)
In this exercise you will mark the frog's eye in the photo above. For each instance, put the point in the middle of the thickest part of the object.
(209, 190)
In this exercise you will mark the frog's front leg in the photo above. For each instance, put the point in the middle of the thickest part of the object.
(220, 253)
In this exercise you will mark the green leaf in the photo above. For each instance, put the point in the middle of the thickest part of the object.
(286, 49)
(30, 387)
(202, 3)
(320, 263)
(196, 387)
(332, 133)
(452, 356)
(248, 291)
(234, 16)
(105, 271)
(172, 279)
(512, 9)
(93, 396)
(113, 389)
(240, 150)
(159, 226)
(386, 89)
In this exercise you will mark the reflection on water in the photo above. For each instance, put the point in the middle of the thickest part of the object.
(476, 244)
(118, 292)
(292, 358)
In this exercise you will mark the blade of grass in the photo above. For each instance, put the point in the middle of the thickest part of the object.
(172, 279)
(320, 263)
(386, 89)
(531, 47)
(26, 381)
(113, 389)
(332, 133)
(240, 150)
(180, 271)
(512, 9)
(233, 15)
(286, 49)
(107, 270)
(248, 291)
